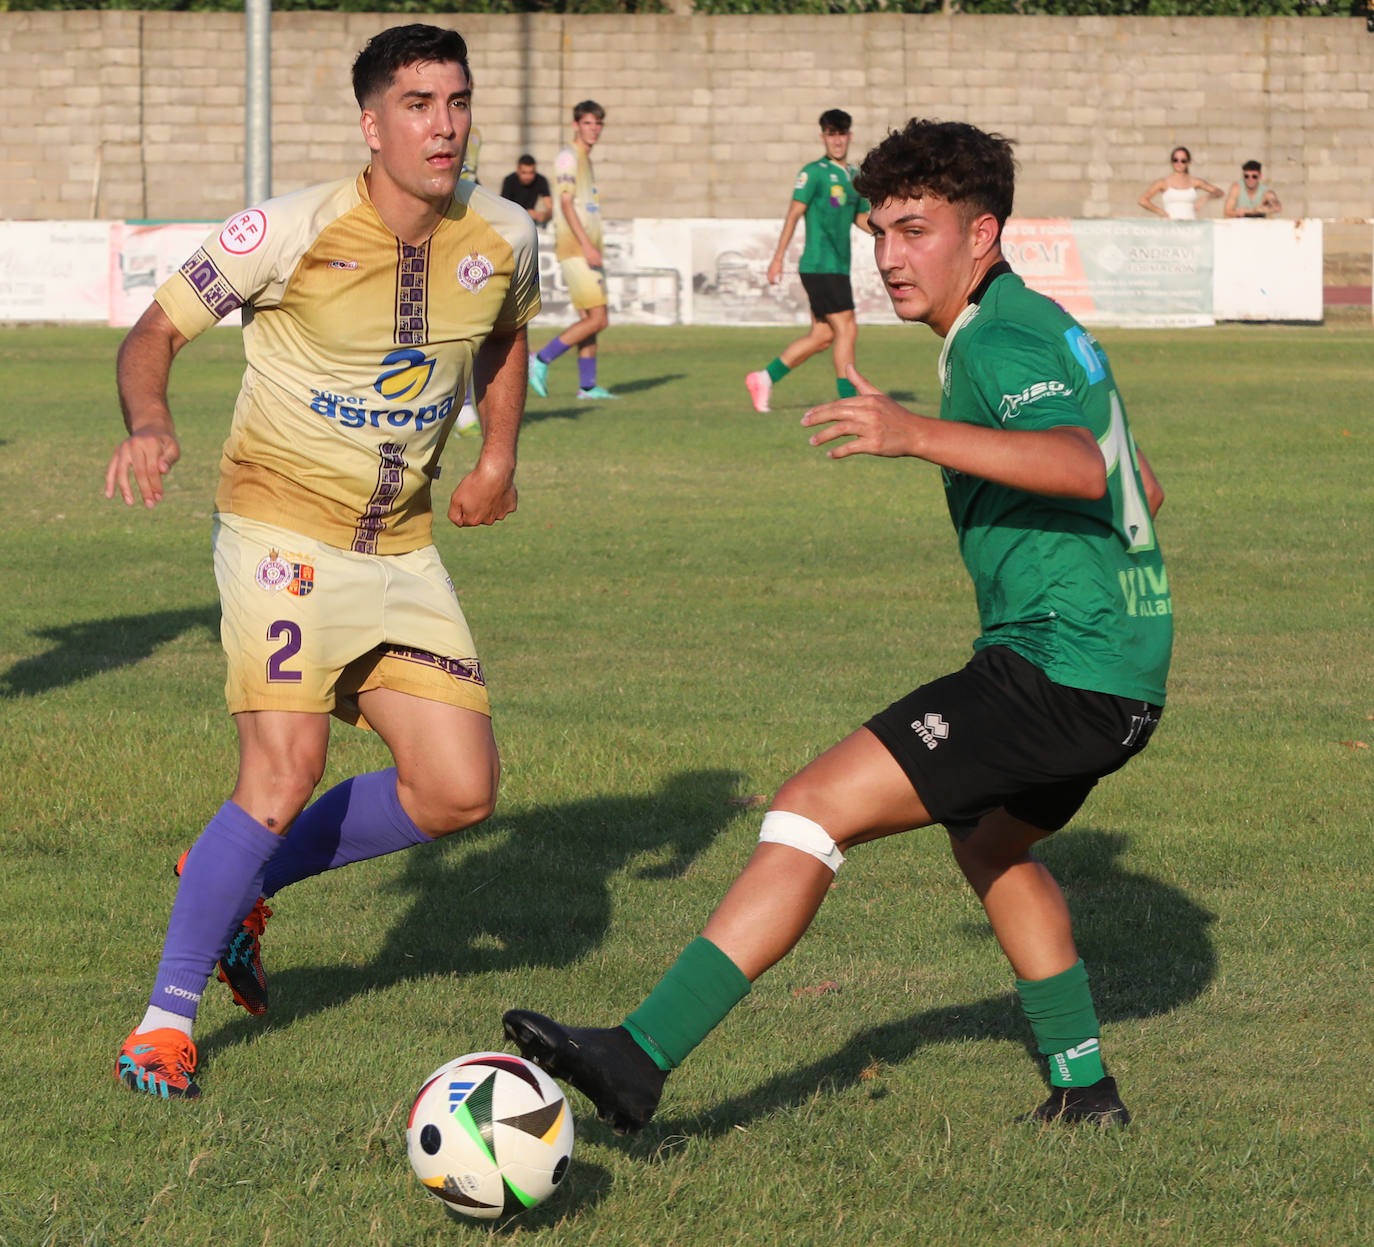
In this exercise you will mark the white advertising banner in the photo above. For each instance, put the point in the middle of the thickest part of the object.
(1268, 270)
(54, 270)
(637, 293)
(703, 271)
(142, 257)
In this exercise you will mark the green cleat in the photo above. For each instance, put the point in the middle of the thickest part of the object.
(539, 376)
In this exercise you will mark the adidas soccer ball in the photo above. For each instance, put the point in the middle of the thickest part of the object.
(490, 1134)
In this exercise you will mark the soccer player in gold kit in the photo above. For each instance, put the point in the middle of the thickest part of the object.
(368, 304)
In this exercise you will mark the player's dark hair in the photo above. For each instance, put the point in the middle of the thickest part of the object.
(588, 106)
(963, 165)
(1187, 155)
(836, 121)
(1252, 166)
(525, 159)
(399, 46)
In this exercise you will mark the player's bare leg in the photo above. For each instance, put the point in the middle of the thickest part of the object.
(447, 766)
(846, 330)
(1024, 904)
(1031, 921)
(864, 794)
(816, 339)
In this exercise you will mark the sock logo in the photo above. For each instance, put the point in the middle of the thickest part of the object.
(182, 993)
(1061, 1059)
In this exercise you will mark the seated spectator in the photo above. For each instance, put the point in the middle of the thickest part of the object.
(1250, 196)
(529, 189)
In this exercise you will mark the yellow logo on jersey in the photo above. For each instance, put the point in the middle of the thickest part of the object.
(409, 376)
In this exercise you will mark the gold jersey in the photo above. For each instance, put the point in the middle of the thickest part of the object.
(359, 349)
(573, 175)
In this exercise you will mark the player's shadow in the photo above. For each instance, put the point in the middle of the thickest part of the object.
(1145, 944)
(622, 390)
(81, 650)
(585, 1186)
(648, 383)
(526, 889)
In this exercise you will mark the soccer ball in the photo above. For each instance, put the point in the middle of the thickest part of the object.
(490, 1134)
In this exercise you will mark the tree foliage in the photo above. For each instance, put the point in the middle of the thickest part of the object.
(1058, 8)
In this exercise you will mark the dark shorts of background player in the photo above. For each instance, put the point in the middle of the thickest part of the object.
(1000, 733)
(829, 293)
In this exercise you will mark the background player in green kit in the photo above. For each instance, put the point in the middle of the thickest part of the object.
(1053, 506)
(825, 195)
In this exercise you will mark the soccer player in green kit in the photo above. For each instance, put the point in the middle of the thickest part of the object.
(1053, 506)
(824, 194)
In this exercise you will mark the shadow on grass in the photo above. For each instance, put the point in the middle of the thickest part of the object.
(526, 889)
(81, 650)
(586, 406)
(1144, 942)
(585, 1186)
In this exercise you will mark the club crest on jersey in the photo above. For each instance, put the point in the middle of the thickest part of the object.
(407, 376)
(243, 233)
(474, 272)
(274, 573)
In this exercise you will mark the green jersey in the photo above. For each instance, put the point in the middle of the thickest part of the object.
(827, 189)
(1077, 587)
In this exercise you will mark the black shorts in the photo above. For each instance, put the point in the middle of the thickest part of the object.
(1000, 733)
(829, 293)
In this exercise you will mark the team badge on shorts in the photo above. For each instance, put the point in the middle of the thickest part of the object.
(302, 580)
(474, 272)
(275, 573)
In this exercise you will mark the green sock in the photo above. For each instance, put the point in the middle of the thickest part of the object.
(846, 387)
(690, 1001)
(1061, 1014)
(777, 370)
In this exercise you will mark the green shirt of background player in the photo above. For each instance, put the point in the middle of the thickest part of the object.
(1054, 507)
(824, 194)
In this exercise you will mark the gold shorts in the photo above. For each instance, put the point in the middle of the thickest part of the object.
(586, 285)
(307, 626)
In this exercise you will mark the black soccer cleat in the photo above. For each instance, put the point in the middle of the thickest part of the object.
(606, 1065)
(1097, 1104)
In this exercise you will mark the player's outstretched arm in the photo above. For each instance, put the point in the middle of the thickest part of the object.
(141, 372)
(487, 493)
(1060, 463)
(795, 210)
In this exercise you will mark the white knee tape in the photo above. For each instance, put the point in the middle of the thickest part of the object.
(782, 827)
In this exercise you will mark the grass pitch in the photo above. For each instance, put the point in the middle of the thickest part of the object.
(688, 605)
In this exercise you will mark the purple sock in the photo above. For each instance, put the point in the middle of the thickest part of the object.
(219, 883)
(354, 821)
(552, 350)
(586, 371)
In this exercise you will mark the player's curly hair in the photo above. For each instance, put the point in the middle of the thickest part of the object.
(965, 166)
(399, 46)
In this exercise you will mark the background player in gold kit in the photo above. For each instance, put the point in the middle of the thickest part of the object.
(578, 239)
(368, 304)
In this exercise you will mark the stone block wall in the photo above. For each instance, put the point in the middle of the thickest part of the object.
(118, 114)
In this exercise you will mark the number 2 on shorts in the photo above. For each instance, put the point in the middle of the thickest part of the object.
(290, 647)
